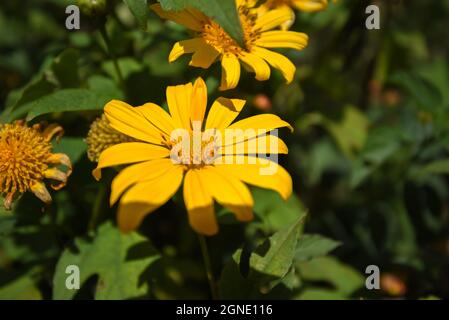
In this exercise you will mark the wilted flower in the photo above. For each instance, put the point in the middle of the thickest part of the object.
(26, 159)
(212, 43)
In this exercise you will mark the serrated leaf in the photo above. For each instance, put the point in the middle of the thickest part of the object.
(224, 12)
(118, 259)
(344, 279)
(314, 245)
(139, 8)
(274, 257)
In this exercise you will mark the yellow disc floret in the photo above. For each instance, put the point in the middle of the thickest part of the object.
(102, 136)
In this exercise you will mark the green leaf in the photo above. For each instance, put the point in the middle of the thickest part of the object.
(350, 133)
(72, 146)
(274, 257)
(224, 12)
(424, 93)
(344, 279)
(269, 264)
(139, 8)
(314, 245)
(437, 167)
(118, 259)
(320, 294)
(101, 90)
(66, 100)
(127, 66)
(65, 69)
(21, 288)
(274, 212)
(232, 283)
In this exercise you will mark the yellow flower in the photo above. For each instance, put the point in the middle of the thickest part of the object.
(155, 176)
(212, 43)
(26, 160)
(101, 136)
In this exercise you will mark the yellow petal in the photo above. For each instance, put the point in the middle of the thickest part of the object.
(247, 3)
(261, 145)
(184, 17)
(223, 112)
(277, 61)
(252, 127)
(126, 119)
(179, 103)
(61, 158)
(230, 75)
(199, 204)
(257, 65)
(145, 197)
(310, 5)
(41, 192)
(231, 193)
(274, 18)
(158, 117)
(133, 174)
(199, 100)
(262, 121)
(130, 152)
(257, 173)
(283, 39)
(56, 174)
(204, 56)
(185, 46)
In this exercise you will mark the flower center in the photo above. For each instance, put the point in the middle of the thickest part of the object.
(23, 156)
(193, 149)
(102, 136)
(215, 36)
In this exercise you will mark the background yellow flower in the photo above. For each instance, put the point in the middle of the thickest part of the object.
(212, 43)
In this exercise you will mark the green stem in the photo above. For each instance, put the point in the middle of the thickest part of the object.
(111, 53)
(97, 208)
(208, 267)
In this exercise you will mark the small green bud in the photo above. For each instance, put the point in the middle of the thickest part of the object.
(93, 8)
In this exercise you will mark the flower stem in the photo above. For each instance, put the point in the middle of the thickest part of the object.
(208, 267)
(96, 212)
(111, 53)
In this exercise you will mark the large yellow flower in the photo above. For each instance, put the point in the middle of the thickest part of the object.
(155, 176)
(26, 160)
(212, 43)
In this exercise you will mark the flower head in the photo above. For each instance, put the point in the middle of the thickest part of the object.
(26, 159)
(211, 168)
(101, 136)
(212, 43)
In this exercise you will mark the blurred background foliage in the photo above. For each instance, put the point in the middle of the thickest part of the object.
(369, 159)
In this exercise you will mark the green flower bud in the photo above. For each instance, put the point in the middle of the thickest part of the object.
(93, 8)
